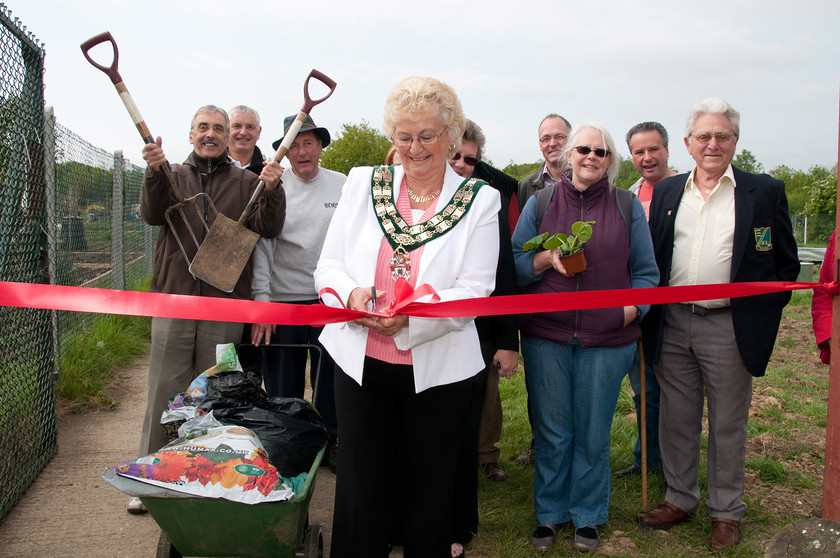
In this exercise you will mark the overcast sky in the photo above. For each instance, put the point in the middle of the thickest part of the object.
(512, 62)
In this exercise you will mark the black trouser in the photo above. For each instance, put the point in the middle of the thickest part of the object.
(399, 451)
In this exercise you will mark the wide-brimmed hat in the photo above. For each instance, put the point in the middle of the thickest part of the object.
(308, 125)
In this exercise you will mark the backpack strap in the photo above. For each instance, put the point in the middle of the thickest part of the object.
(543, 199)
(624, 199)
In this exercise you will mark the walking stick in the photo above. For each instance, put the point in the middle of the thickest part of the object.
(643, 433)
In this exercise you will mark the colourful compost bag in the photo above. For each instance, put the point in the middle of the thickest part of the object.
(227, 462)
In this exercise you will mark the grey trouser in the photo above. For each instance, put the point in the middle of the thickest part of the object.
(699, 355)
(181, 350)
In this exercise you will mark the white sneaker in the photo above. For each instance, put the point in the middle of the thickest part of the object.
(135, 506)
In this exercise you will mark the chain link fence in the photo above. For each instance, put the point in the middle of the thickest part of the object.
(69, 215)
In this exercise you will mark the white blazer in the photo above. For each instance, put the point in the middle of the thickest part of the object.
(460, 264)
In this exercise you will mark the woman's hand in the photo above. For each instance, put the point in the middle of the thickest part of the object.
(630, 313)
(359, 299)
(390, 326)
(506, 361)
(548, 259)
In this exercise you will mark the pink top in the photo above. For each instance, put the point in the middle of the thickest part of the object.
(378, 346)
(645, 195)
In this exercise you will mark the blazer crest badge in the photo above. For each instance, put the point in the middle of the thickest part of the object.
(763, 239)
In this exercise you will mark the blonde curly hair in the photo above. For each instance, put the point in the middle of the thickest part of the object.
(415, 97)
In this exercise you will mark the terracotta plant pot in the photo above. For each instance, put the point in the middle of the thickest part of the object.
(574, 263)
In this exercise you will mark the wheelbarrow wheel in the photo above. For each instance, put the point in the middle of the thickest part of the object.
(313, 542)
(165, 548)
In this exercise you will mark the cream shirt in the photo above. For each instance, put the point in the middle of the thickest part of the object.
(704, 233)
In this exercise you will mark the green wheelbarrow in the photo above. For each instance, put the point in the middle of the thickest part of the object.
(192, 526)
(216, 527)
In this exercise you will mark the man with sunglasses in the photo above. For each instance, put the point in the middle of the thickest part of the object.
(648, 144)
(713, 225)
(499, 340)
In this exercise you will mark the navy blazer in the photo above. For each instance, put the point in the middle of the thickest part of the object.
(760, 208)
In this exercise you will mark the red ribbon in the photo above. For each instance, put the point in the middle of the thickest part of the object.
(134, 303)
(404, 294)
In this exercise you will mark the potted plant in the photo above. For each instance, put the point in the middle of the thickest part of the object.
(569, 246)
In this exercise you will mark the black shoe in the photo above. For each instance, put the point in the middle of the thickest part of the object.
(586, 539)
(543, 537)
(629, 471)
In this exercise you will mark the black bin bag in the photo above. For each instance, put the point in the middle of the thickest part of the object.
(290, 429)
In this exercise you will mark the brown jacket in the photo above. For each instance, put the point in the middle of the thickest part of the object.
(229, 188)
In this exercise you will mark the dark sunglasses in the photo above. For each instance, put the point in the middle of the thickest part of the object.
(471, 161)
(584, 150)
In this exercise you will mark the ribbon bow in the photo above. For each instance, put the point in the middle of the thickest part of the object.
(404, 294)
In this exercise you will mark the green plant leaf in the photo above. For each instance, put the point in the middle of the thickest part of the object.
(535, 242)
(582, 230)
(557, 241)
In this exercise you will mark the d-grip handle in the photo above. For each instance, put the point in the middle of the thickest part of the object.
(111, 71)
(308, 101)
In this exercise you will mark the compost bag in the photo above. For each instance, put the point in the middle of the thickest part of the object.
(290, 429)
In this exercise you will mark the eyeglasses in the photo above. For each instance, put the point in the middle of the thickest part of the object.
(471, 161)
(599, 152)
(426, 138)
(706, 137)
(559, 138)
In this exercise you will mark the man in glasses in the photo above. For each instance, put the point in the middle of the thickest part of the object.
(553, 133)
(283, 272)
(181, 348)
(648, 144)
(714, 225)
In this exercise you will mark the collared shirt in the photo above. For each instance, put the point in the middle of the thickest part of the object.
(704, 233)
(547, 179)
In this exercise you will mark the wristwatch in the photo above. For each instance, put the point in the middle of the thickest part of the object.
(638, 314)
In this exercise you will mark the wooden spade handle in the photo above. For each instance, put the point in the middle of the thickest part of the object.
(112, 72)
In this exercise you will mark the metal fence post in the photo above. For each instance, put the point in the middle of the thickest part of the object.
(51, 222)
(117, 223)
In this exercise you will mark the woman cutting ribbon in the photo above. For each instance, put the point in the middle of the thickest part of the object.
(403, 382)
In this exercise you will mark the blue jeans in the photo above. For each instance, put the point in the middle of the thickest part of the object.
(654, 458)
(573, 394)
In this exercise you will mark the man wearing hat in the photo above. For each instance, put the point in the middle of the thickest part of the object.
(283, 272)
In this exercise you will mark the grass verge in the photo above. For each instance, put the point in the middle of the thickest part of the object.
(93, 353)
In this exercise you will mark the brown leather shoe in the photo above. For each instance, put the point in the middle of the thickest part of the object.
(726, 533)
(494, 472)
(664, 517)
